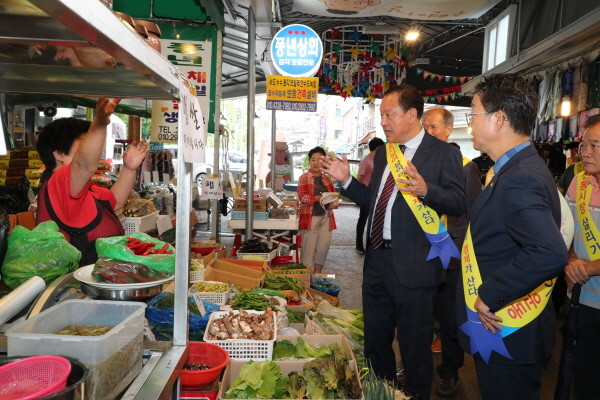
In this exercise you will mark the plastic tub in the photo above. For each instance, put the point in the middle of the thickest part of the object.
(113, 359)
(203, 353)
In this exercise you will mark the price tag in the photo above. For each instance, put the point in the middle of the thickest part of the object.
(147, 177)
(212, 189)
(166, 178)
(155, 177)
(199, 303)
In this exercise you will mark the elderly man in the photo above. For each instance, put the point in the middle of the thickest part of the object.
(416, 178)
(439, 122)
(513, 249)
(584, 265)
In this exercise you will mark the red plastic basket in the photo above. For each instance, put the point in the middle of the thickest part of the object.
(33, 377)
(204, 353)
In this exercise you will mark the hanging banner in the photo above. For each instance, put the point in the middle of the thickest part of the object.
(193, 59)
(292, 94)
(296, 51)
(435, 10)
(192, 123)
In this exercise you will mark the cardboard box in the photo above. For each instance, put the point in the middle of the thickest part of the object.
(257, 265)
(233, 370)
(25, 219)
(245, 267)
(247, 282)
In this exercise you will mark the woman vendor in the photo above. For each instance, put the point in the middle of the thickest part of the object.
(316, 220)
(70, 149)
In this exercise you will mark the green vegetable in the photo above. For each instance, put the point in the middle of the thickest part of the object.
(251, 301)
(296, 386)
(295, 316)
(283, 283)
(168, 301)
(286, 349)
(258, 381)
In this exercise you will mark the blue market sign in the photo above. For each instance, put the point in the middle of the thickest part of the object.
(296, 51)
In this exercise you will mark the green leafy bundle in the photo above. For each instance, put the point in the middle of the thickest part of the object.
(258, 380)
(283, 283)
(286, 349)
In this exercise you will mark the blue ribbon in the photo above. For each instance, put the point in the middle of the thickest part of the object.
(442, 246)
(482, 340)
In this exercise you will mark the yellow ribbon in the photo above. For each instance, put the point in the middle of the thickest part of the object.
(465, 160)
(578, 168)
(428, 219)
(589, 230)
(519, 312)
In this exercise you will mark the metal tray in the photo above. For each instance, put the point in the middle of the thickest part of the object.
(139, 294)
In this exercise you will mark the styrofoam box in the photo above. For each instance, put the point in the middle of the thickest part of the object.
(113, 359)
(243, 349)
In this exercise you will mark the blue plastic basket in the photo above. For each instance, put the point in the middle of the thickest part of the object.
(317, 285)
(258, 215)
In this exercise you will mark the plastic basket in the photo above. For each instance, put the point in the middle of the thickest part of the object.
(213, 297)
(34, 377)
(203, 353)
(244, 349)
(197, 276)
(140, 224)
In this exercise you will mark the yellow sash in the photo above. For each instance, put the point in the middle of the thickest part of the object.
(465, 160)
(589, 230)
(578, 168)
(428, 219)
(519, 312)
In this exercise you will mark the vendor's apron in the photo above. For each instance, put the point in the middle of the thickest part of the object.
(105, 224)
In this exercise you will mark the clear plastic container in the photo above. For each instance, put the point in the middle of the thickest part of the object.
(113, 359)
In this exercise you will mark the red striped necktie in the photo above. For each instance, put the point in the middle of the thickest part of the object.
(380, 208)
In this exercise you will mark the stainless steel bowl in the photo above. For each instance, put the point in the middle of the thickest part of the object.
(121, 294)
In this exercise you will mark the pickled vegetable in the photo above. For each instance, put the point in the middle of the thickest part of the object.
(84, 330)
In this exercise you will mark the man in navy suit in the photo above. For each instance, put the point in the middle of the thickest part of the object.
(516, 247)
(399, 282)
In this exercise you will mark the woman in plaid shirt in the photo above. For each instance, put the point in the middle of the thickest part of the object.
(316, 220)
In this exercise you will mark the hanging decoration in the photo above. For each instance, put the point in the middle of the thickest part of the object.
(442, 78)
(356, 64)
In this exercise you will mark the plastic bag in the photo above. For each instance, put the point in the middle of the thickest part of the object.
(163, 317)
(114, 247)
(119, 271)
(44, 252)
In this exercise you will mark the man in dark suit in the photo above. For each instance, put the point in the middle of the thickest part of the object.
(514, 250)
(439, 122)
(400, 280)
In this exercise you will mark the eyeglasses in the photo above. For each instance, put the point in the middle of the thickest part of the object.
(469, 116)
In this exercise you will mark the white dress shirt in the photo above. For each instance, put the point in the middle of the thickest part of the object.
(409, 152)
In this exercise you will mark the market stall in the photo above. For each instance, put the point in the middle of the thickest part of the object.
(141, 73)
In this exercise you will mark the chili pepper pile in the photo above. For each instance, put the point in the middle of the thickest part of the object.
(292, 301)
(140, 248)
